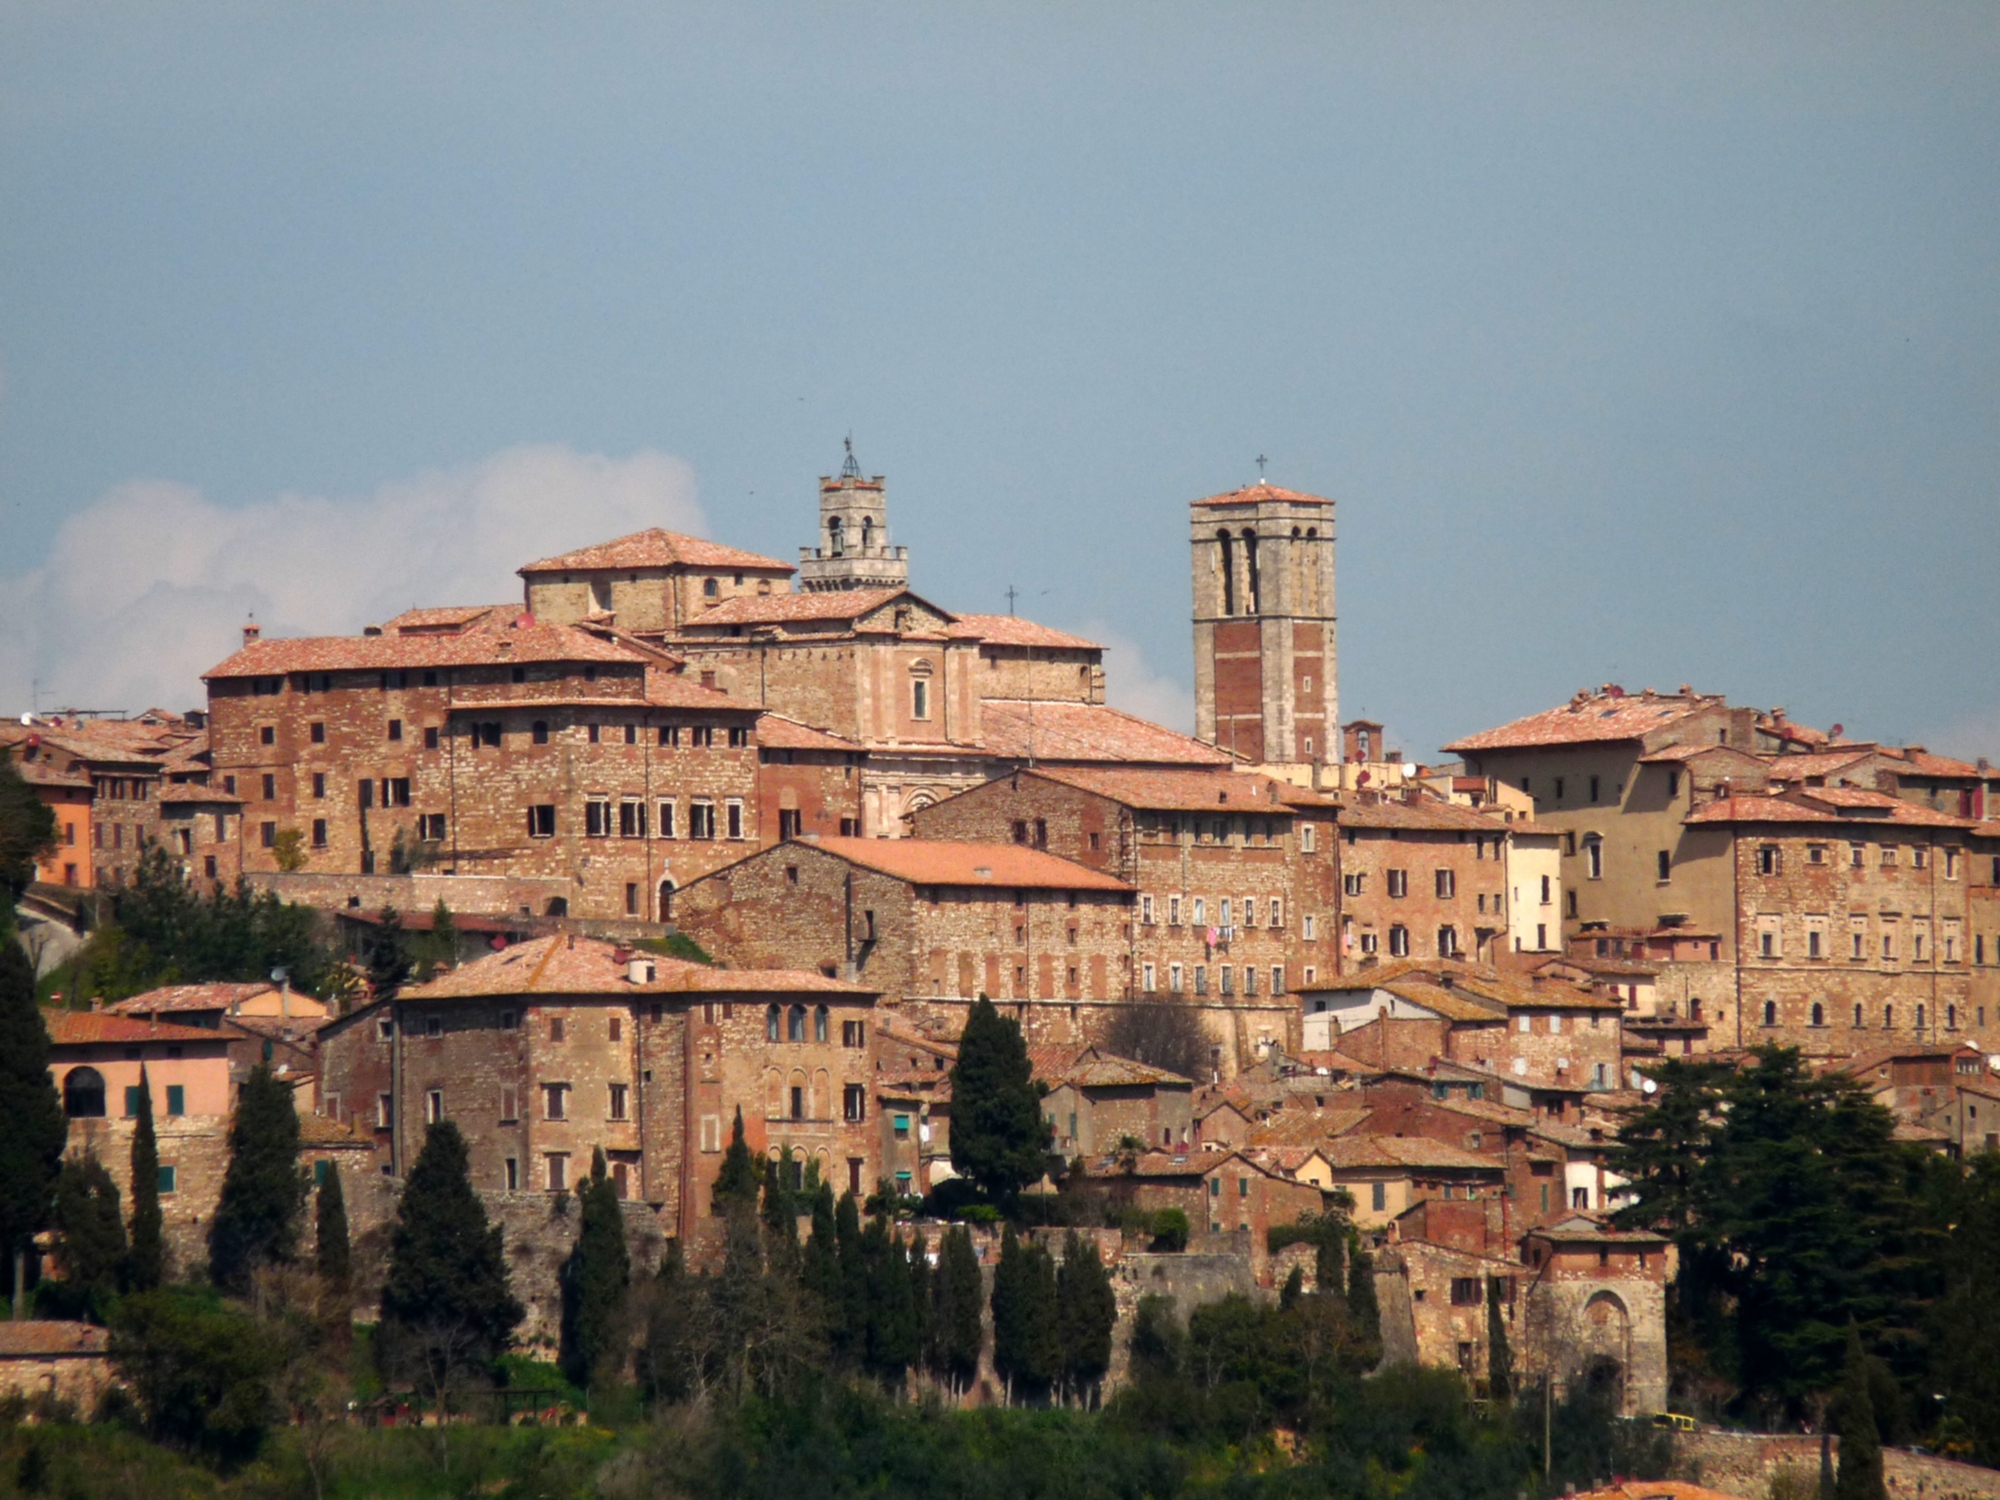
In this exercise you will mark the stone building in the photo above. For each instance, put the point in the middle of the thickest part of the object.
(43, 1360)
(653, 582)
(1264, 638)
(1233, 909)
(556, 1048)
(100, 845)
(1100, 1102)
(492, 746)
(1419, 878)
(202, 827)
(808, 781)
(1947, 1088)
(1387, 1174)
(1221, 1192)
(853, 551)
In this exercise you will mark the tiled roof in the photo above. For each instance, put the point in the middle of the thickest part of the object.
(510, 646)
(1897, 809)
(1307, 1127)
(446, 617)
(317, 1130)
(1257, 494)
(1010, 630)
(781, 733)
(1819, 763)
(1923, 763)
(1587, 720)
(768, 609)
(39, 772)
(1190, 1163)
(1208, 791)
(1121, 1072)
(1622, 967)
(191, 793)
(1352, 1151)
(947, 862)
(584, 966)
(1680, 754)
(1877, 1057)
(93, 749)
(40, 1338)
(1428, 816)
(73, 1028)
(1579, 1229)
(1751, 809)
(1048, 1061)
(1471, 991)
(183, 997)
(1838, 805)
(1023, 730)
(654, 548)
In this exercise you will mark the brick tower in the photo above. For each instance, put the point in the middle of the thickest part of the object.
(1265, 672)
(853, 550)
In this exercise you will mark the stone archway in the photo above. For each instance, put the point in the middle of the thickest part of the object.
(1606, 1346)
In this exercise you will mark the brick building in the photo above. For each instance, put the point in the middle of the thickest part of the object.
(1419, 878)
(653, 581)
(67, 794)
(202, 826)
(808, 781)
(556, 1048)
(1946, 1088)
(1264, 637)
(494, 745)
(1386, 1174)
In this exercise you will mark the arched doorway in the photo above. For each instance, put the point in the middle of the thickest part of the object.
(1607, 1347)
(83, 1094)
(667, 889)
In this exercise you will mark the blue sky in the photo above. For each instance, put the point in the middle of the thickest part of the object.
(1650, 344)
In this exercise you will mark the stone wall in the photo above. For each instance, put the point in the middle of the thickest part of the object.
(1743, 1464)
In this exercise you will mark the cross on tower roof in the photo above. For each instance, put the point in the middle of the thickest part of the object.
(850, 469)
(1260, 468)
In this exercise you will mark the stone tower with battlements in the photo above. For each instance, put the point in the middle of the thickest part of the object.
(1265, 672)
(853, 550)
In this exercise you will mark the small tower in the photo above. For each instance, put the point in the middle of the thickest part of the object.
(1265, 671)
(853, 550)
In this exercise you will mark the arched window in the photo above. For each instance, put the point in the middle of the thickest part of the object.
(540, 732)
(819, 1023)
(1818, 1014)
(1227, 550)
(1920, 1018)
(1250, 569)
(83, 1094)
(795, 1028)
(1593, 856)
(1857, 1013)
(867, 533)
(1770, 1013)
(710, 589)
(771, 1024)
(1951, 1018)
(666, 897)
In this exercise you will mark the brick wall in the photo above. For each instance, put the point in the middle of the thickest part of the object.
(1449, 878)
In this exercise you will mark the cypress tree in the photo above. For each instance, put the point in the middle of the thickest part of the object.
(850, 1320)
(1293, 1289)
(27, 830)
(147, 1264)
(263, 1191)
(90, 1244)
(1361, 1304)
(998, 1137)
(32, 1125)
(389, 956)
(333, 1259)
(1860, 1473)
(594, 1282)
(893, 1328)
(1499, 1353)
(956, 1295)
(738, 1179)
(1087, 1310)
(821, 1269)
(1043, 1324)
(780, 1213)
(447, 1301)
(1011, 1295)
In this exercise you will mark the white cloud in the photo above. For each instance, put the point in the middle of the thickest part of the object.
(149, 586)
(1131, 684)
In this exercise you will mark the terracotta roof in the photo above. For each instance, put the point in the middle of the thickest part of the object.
(1010, 630)
(781, 733)
(1924, 763)
(584, 966)
(90, 748)
(763, 609)
(1680, 754)
(39, 772)
(184, 997)
(1208, 791)
(1120, 1072)
(1876, 1057)
(40, 1338)
(446, 617)
(513, 645)
(1354, 1151)
(1259, 493)
(319, 1131)
(1818, 763)
(947, 862)
(1048, 1061)
(654, 548)
(192, 793)
(1419, 980)
(1428, 816)
(1619, 966)
(1186, 1163)
(1592, 719)
(73, 1028)
(1897, 809)
(1580, 1229)
(1751, 809)
(1306, 1127)
(1839, 805)
(1023, 730)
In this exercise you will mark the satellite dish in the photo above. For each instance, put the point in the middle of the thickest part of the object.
(27, 718)
(1649, 1086)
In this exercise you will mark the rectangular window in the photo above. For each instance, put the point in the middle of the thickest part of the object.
(854, 1102)
(131, 1100)
(385, 1111)
(511, 1174)
(1856, 855)
(1353, 885)
(1149, 978)
(557, 1030)
(1174, 978)
(616, 1107)
(920, 699)
(431, 737)
(631, 819)
(1277, 979)
(596, 818)
(853, 1033)
(1200, 911)
(1665, 872)
(395, 729)
(1311, 925)
(1277, 913)
(1201, 979)
(1378, 1196)
(1307, 833)
(542, 821)
(509, 1106)
(176, 1100)
(558, 1169)
(270, 787)
(1227, 975)
(316, 732)
(1399, 883)
(434, 1107)
(733, 819)
(1173, 911)
(701, 819)
(319, 833)
(1249, 979)
(168, 1180)
(553, 1101)
(1447, 884)
(1146, 911)
(269, 834)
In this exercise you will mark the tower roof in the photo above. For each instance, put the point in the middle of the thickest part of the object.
(1261, 493)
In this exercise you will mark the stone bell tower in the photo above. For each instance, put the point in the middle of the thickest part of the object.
(853, 550)
(1265, 672)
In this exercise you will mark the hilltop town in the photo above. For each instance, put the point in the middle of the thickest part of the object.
(722, 847)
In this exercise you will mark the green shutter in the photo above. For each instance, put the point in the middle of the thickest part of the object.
(131, 1100)
(166, 1179)
(176, 1099)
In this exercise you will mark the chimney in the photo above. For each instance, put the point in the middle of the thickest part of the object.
(639, 971)
(285, 995)
(96, 1003)
(251, 632)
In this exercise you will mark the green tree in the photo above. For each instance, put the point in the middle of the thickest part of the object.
(90, 1237)
(332, 1257)
(820, 1262)
(439, 948)
(448, 1309)
(388, 955)
(957, 1294)
(1965, 1324)
(256, 1220)
(1499, 1353)
(33, 1128)
(895, 1329)
(1362, 1309)
(288, 848)
(738, 1180)
(1860, 1474)
(595, 1280)
(202, 1373)
(27, 832)
(1027, 1338)
(1086, 1312)
(998, 1137)
(674, 1361)
(848, 1324)
(147, 1265)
